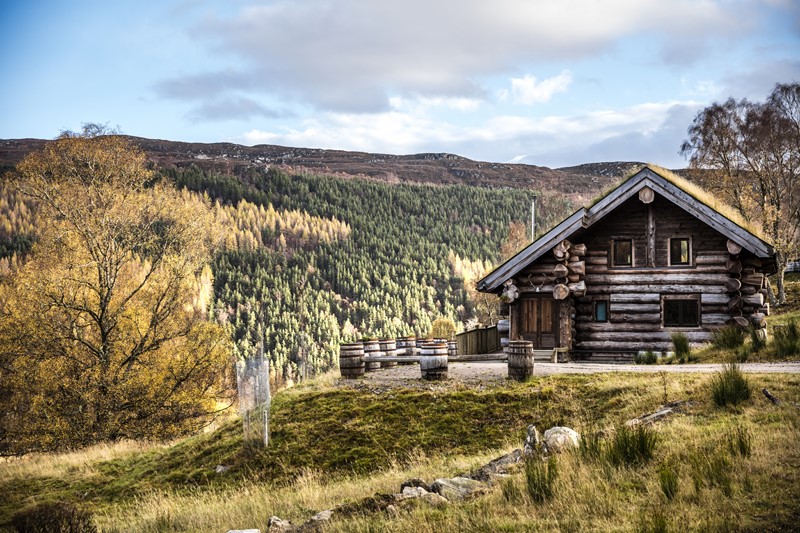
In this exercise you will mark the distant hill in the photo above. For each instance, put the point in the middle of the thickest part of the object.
(439, 168)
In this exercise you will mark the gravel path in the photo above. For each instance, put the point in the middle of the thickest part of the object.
(496, 371)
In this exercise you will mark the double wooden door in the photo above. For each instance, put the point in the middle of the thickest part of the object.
(537, 321)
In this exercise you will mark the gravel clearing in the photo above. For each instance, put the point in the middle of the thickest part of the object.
(487, 372)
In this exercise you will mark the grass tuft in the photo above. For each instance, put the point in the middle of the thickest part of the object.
(740, 442)
(540, 478)
(668, 480)
(786, 339)
(728, 337)
(680, 343)
(632, 446)
(730, 386)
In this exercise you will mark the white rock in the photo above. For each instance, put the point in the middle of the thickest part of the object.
(322, 516)
(456, 488)
(413, 492)
(560, 439)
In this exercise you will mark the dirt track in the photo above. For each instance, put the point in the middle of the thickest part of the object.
(496, 371)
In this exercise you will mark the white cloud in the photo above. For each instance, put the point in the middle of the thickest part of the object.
(529, 90)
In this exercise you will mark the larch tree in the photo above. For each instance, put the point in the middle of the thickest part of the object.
(748, 153)
(103, 331)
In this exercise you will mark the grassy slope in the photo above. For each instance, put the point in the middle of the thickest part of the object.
(334, 443)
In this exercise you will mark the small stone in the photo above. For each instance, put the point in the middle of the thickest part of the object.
(532, 441)
(456, 488)
(277, 525)
(392, 511)
(221, 469)
(436, 500)
(415, 482)
(322, 516)
(559, 439)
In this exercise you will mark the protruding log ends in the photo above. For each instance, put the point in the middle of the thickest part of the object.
(646, 195)
(733, 265)
(578, 249)
(561, 250)
(756, 300)
(733, 248)
(578, 289)
(759, 320)
(560, 271)
(739, 321)
(732, 285)
(577, 267)
(754, 280)
(735, 303)
(561, 291)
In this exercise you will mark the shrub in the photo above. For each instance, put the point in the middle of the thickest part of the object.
(443, 328)
(742, 355)
(729, 386)
(645, 358)
(632, 446)
(54, 517)
(540, 478)
(786, 339)
(740, 442)
(668, 479)
(728, 337)
(680, 343)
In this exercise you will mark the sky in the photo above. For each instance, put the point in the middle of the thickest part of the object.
(544, 82)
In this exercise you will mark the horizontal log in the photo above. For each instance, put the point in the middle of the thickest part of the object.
(653, 288)
(653, 318)
(756, 299)
(648, 307)
(764, 309)
(671, 278)
(714, 299)
(624, 346)
(574, 278)
(756, 280)
(542, 289)
(612, 328)
(711, 259)
(634, 298)
(732, 285)
(596, 253)
(579, 288)
(644, 336)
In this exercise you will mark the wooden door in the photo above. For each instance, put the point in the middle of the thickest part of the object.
(539, 321)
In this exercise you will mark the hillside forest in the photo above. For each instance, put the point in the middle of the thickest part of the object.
(307, 261)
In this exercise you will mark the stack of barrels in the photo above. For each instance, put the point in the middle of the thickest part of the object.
(406, 346)
(372, 347)
(503, 327)
(351, 360)
(433, 361)
(388, 349)
(520, 360)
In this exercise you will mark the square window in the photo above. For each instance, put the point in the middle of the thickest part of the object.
(681, 312)
(680, 251)
(601, 311)
(622, 252)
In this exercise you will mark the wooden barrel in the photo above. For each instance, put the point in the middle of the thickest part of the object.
(503, 326)
(351, 360)
(406, 346)
(452, 348)
(433, 361)
(520, 360)
(389, 349)
(372, 347)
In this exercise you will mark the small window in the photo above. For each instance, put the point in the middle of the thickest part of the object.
(680, 251)
(681, 312)
(622, 252)
(601, 311)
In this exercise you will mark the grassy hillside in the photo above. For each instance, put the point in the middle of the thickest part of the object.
(336, 442)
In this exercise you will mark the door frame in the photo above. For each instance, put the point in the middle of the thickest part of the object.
(517, 309)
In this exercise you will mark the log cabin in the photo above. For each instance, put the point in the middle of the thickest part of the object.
(655, 256)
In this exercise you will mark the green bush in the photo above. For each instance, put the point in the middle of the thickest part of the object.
(680, 343)
(786, 339)
(729, 386)
(728, 337)
(540, 478)
(632, 446)
(668, 479)
(645, 358)
(54, 517)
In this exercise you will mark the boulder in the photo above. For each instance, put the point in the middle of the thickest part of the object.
(221, 469)
(413, 492)
(322, 516)
(392, 511)
(561, 439)
(497, 467)
(456, 488)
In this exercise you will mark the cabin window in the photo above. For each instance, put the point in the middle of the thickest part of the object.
(681, 311)
(601, 310)
(680, 251)
(622, 252)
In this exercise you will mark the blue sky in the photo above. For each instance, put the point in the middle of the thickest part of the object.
(550, 83)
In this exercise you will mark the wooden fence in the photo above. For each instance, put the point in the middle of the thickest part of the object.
(478, 341)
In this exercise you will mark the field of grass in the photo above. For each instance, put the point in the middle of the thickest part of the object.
(334, 443)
